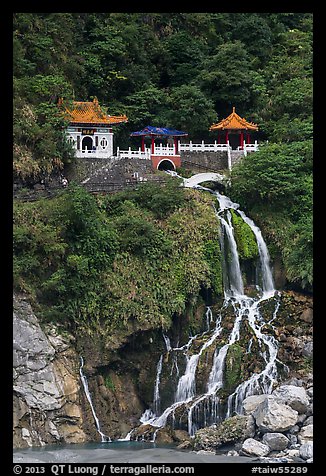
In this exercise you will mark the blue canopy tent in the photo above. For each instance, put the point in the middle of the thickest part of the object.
(150, 131)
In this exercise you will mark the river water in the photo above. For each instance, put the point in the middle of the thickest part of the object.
(120, 452)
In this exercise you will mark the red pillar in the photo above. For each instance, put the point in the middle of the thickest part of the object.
(241, 139)
(143, 143)
(226, 136)
(176, 146)
(248, 138)
(152, 144)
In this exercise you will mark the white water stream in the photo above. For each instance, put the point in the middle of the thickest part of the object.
(83, 378)
(205, 408)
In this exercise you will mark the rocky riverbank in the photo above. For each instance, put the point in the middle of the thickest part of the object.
(274, 428)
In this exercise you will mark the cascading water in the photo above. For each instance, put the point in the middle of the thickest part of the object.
(104, 438)
(206, 408)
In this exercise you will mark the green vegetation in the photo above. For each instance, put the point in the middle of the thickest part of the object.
(179, 70)
(233, 367)
(245, 238)
(275, 184)
(138, 257)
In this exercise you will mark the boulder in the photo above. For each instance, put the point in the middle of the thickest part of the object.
(231, 430)
(274, 416)
(306, 450)
(181, 435)
(255, 448)
(306, 433)
(307, 350)
(308, 421)
(307, 315)
(295, 397)
(251, 403)
(275, 441)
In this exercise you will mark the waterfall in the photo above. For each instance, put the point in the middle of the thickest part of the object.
(206, 408)
(157, 386)
(104, 438)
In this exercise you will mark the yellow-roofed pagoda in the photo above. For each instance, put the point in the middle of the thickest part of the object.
(234, 124)
(89, 128)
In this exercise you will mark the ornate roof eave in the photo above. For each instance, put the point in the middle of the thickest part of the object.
(89, 113)
(235, 122)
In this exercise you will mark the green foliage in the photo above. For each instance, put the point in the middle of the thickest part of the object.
(167, 69)
(214, 259)
(245, 238)
(275, 184)
(158, 199)
(109, 383)
(105, 265)
(233, 367)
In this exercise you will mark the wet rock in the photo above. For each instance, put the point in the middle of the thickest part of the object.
(274, 416)
(251, 403)
(306, 450)
(233, 429)
(255, 448)
(295, 397)
(275, 441)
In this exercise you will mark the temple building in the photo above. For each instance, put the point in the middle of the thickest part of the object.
(163, 157)
(234, 124)
(89, 128)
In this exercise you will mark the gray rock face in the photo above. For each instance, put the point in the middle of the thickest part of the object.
(274, 416)
(251, 403)
(295, 397)
(306, 450)
(275, 441)
(46, 384)
(255, 448)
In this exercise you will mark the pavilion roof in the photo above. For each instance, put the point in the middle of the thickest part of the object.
(234, 121)
(89, 113)
(158, 131)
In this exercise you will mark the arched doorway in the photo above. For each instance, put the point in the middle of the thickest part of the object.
(87, 142)
(166, 164)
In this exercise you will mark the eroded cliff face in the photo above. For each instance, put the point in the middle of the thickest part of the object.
(47, 404)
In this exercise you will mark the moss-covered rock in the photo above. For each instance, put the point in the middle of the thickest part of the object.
(233, 367)
(245, 238)
(231, 430)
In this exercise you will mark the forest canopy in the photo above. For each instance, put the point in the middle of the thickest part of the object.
(178, 70)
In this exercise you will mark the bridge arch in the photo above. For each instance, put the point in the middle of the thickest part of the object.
(166, 164)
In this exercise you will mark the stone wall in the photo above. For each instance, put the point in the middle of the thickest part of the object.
(214, 161)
